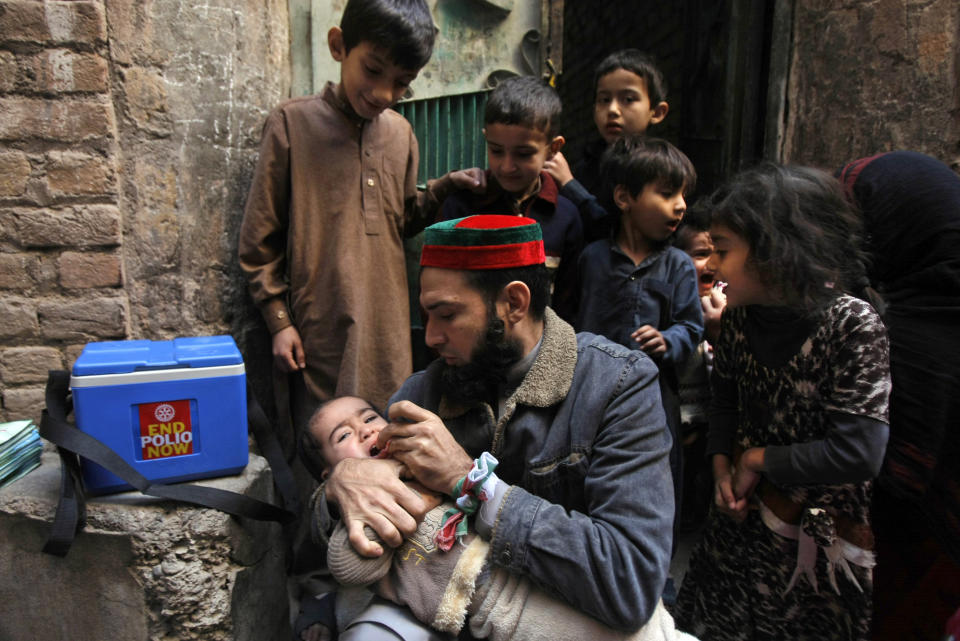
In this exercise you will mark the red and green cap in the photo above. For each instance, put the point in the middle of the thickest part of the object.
(487, 241)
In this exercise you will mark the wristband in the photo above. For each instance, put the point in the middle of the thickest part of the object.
(479, 485)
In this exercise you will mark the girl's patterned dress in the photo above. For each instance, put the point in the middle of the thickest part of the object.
(744, 581)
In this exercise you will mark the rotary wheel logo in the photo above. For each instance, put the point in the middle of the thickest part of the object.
(164, 412)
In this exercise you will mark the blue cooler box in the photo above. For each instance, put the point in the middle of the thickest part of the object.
(174, 410)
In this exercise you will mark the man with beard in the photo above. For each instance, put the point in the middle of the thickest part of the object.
(585, 499)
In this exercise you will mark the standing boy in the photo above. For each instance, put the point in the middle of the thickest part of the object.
(520, 126)
(636, 289)
(333, 195)
(630, 96)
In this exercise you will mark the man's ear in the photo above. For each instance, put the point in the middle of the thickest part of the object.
(621, 197)
(556, 145)
(514, 302)
(335, 42)
(659, 113)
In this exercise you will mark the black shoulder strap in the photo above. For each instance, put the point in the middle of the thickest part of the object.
(71, 442)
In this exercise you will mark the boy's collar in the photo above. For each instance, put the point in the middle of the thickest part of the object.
(333, 93)
(548, 189)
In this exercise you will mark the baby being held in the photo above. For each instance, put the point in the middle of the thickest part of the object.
(443, 587)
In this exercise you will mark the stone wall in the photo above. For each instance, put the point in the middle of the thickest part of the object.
(874, 76)
(128, 131)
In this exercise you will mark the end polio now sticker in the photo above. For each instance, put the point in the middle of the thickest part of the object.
(165, 429)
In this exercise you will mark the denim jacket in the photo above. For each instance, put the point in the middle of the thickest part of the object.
(583, 444)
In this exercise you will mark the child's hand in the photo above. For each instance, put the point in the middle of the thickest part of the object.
(288, 350)
(724, 496)
(650, 340)
(474, 179)
(712, 306)
(558, 168)
(747, 473)
(316, 632)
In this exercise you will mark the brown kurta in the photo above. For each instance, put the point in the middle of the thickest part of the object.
(321, 241)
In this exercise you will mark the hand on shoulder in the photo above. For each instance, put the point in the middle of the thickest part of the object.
(474, 179)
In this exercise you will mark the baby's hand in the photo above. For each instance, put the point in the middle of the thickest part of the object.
(558, 168)
(650, 340)
(474, 179)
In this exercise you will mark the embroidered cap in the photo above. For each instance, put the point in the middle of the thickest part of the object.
(483, 242)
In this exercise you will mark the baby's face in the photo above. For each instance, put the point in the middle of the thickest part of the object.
(346, 428)
(699, 249)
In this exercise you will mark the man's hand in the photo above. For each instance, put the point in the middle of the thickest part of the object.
(650, 340)
(370, 492)
(474, 179)
(558, 168)
(288, 350)
(419, 439)
(712, 306)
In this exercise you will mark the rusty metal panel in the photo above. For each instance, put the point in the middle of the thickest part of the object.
(448, 131)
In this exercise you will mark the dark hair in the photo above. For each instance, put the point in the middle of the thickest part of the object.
(635, 161)
(525, 101)
(404, 28)
(696, 220)
(490, 282)
(804, 236)
(639, 63)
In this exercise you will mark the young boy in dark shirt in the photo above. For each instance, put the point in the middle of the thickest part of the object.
(635, 288)
(630, 96)
(520, 126)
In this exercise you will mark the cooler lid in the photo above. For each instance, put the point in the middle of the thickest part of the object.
(122, 357)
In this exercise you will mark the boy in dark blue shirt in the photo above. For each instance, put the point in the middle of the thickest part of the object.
(520, 124)
(635, 288)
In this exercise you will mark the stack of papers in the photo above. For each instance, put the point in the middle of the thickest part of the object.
(20, 448)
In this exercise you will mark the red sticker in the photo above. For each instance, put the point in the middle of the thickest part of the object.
(165, 429)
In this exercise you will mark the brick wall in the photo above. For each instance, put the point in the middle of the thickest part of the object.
(128, 132)
(61, 272)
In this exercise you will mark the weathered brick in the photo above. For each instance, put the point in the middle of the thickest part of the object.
(24, 402)
(16, 271)
(28, 364)
(18, 318)
(14, 173)
(83, 319)
(63, 71)
(56, 119)
(9, 67)
(52, 22)
(55, 71)
(80, 226)
(146, 99)
(72, 353)
(72, 173)
(82, 270)
(8, 227)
